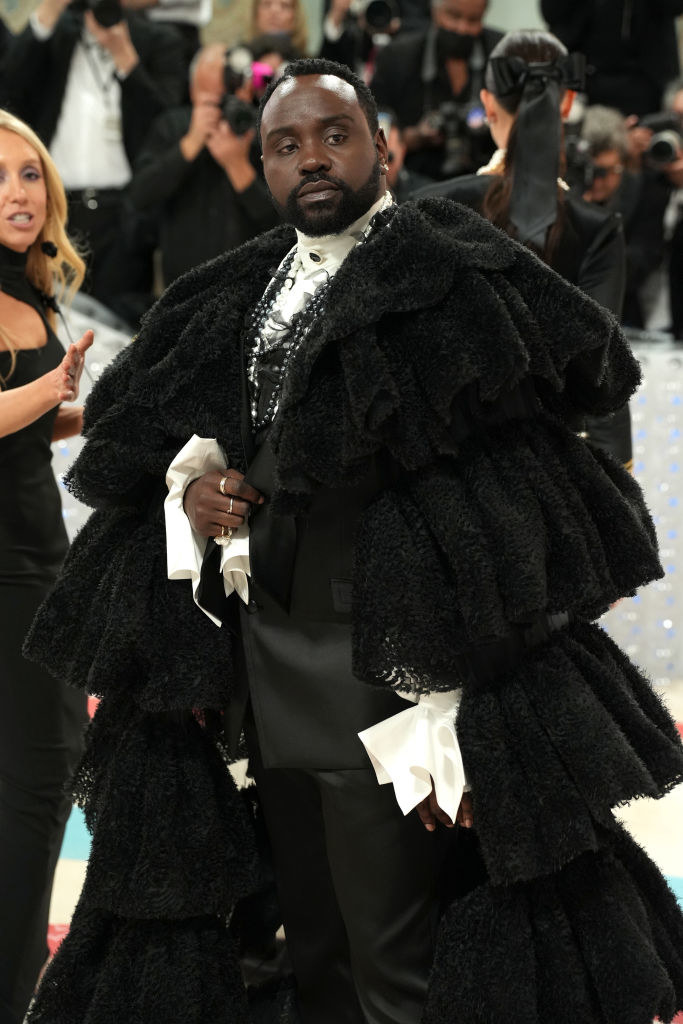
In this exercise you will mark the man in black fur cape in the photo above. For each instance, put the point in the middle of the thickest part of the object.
(382, 506)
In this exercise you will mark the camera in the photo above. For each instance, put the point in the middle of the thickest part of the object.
(458, 123)
(240, 67)
(580, 171)
(377, 14)
(105, 12)
(666, 143)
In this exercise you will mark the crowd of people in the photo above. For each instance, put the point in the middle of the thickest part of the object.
(416, 479)
(122, 104)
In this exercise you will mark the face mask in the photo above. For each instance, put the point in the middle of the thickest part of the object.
(454, 44)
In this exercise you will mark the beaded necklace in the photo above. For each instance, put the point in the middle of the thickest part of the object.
(271, 342)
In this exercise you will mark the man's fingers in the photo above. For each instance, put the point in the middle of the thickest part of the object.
(425, 815)
(438, 812)
(465, 815)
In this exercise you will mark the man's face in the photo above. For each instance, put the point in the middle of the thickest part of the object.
(321, 163)
(608, 170)
(463, 16)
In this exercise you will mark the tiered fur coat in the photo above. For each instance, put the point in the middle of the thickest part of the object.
(459, 353)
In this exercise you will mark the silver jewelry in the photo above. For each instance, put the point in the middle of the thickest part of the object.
(221, 486)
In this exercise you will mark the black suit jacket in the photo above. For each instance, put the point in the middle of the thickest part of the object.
(399, 85)
(630, 46)
(36, 73)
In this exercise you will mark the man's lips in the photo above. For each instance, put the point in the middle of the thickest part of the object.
(316, 186)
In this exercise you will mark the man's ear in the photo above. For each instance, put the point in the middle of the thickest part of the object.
(382, 147)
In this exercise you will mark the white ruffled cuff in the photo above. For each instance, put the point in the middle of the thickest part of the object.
(418, 745)
(185, 548)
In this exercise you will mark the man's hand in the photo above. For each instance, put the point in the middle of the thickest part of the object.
(49, 12)
(429, 812)
(208, 508)
(116, 40)
(231, 151)
(205, 117)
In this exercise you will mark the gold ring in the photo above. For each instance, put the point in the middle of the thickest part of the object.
(222, 531)
(226, 533)
(230, 506)
(221, 486)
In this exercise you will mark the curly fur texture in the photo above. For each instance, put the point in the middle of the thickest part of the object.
(142, 972)
(580, 946)
(171, 835)
(456, 353)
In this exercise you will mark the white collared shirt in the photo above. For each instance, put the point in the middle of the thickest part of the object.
(189, 12)
(87, 146)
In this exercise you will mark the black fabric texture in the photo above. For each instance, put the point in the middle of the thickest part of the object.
(455, 354)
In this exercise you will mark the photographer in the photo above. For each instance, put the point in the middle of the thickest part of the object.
(619, 180)
(90, 80)
(354, 34)
(200, 173)
(432, 79)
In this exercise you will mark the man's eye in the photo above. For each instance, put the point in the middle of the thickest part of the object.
(336, 137)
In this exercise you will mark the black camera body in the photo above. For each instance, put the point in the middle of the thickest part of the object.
(459, 124)
(240, 116)
(667, 142)
(105, 12)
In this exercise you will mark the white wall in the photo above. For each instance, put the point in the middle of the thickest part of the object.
(509, 14)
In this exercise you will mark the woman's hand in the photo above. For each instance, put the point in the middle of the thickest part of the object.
(65, 380)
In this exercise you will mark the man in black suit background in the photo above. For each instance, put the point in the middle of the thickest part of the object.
(630, 48)
(432, 80)
(91, 82)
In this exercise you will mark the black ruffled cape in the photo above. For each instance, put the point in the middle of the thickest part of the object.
(457, 352)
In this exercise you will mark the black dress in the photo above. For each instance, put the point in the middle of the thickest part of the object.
(41, 721)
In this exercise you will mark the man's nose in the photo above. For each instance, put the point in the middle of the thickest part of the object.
(313, 158)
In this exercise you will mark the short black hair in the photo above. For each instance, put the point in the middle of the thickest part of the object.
(319, 66)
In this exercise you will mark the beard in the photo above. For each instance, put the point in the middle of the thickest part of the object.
(330, 216)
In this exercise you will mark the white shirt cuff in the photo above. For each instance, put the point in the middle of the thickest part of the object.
(418, 745)
(185, 548)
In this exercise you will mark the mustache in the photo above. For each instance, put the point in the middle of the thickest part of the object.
(312, 179)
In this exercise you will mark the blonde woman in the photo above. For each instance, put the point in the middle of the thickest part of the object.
(286, 18)
(40, 720)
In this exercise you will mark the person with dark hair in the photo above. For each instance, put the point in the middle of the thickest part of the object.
(338, 509)
(530, 84)
(630, 47)
(432, 79)
(197, 174)
(640, 194)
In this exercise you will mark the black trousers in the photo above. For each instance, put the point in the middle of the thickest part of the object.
(357, 883)
(41, 728)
